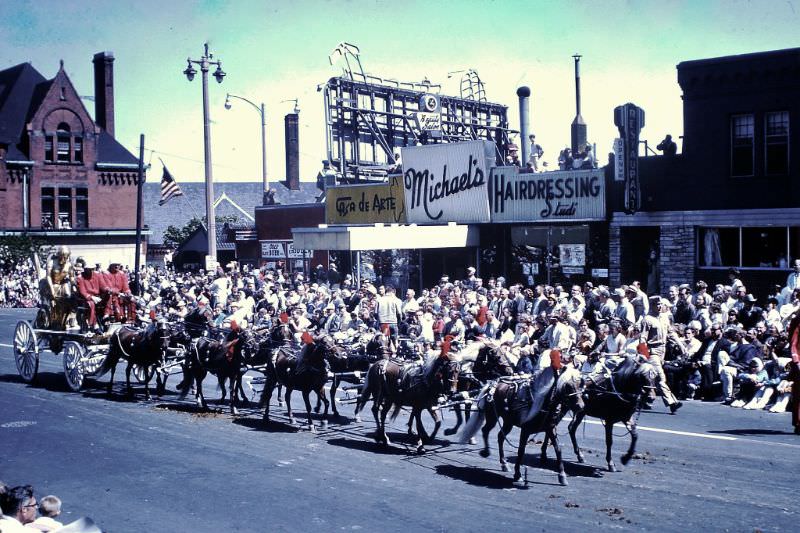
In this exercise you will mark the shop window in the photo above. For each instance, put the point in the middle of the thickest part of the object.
(719, 247)
(777, 143)
(48, 208)
(64, 208)
(62, 143)
(81, 208)
(764, 247)
(742, 145)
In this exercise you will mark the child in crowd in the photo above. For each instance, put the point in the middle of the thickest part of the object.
(49, 509)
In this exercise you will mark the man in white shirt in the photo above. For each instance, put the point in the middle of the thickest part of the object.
(19, 508)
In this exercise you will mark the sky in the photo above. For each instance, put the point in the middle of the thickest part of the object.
(274, 51)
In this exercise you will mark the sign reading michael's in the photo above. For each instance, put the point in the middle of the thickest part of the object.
(549, 196)
(447, 182)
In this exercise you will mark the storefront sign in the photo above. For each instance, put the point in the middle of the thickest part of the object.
(272, 250)
(447, 182)
(295, 253)
(572, 270)
(599, 272)
(366, 204)
(429, 121)
(619, 163)
(549, 196)
(572, 255)
(629, 119)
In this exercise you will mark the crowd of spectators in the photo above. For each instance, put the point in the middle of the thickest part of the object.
(710, 343)
(19, 287)
(21, 512)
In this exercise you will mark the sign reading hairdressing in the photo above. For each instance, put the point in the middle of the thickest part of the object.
(549, 196)
(366, 204)
(447, 182)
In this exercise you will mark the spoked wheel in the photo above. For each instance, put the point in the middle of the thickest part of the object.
(73, 364)
(26, 351)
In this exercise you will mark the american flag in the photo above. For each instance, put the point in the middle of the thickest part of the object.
(169, 187)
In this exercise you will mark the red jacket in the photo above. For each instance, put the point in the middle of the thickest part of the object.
(117, 281)
(89, 287)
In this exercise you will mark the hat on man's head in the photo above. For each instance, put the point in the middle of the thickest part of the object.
(470, 270)
(619, 292)
(750, 298)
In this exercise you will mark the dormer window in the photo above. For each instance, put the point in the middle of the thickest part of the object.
(64, 147)
(63, 140)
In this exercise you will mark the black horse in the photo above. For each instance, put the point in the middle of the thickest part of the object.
(145, 348)
(393, 384)
(615, 397)
(534, 405)
(490, 363)
(306, 371)
(223, 358)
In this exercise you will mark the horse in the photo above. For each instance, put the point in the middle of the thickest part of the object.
(534, 405)
(613, 398)
(393, 384)
(223, 358)
(489, 363)
(145, 348)
(307, 371)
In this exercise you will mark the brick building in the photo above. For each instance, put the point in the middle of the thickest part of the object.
(732, 198)
(63, 175)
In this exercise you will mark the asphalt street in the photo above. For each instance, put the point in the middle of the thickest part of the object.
(163, 466)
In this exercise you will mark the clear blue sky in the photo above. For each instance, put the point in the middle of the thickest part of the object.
(274, 51)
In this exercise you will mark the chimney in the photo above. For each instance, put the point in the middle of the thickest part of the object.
(292, 151)
(104, 90)
(578, 130)
(524, 94)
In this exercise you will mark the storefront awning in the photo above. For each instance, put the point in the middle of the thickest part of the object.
(385, 236)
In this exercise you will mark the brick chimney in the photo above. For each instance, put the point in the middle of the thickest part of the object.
(292, 151)
(104, 90)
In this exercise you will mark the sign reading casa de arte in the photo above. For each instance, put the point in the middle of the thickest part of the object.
(549, 196)
(366, 204)
(447, 182)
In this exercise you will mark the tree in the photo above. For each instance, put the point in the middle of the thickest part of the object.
(174, 236)
(18, 249)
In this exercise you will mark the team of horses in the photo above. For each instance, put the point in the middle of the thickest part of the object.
(479, 377)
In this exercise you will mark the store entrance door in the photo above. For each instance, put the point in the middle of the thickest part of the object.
(640, 257)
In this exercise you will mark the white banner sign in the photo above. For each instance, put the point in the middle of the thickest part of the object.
(295, 253)
(272, 250)
(572, 255)
(447, 182)
(546, 196)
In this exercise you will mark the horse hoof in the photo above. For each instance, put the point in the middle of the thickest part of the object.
(517, 475)
(504, 468)
(473, 441)
(235, 412)
(420, 450)
(291, 420)
(312, 428)
(484, 453)
(358, 419)
(449, 432)
(625, 459)
(581, 459)
(562, 478)
(611, 467)
(316, 410)
(324, 424)
(410, 432)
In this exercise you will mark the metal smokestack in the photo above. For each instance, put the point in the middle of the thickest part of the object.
(578, 130)
(524, 94)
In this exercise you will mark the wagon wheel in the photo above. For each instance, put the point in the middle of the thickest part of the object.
(73, 364)
(26, 351)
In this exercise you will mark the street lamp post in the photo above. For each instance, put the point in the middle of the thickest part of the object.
(262, 112)
(205, 62)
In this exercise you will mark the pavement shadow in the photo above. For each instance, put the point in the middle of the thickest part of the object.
(746, 432)
(51, 381)
(572, 469)
(270, 426)
(367, 446)
(480, 477)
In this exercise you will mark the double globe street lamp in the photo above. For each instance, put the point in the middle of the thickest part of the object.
(205, 62)
(263, 114)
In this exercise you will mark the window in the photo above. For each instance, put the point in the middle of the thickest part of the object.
(64, 208)
(78, 147)
(81, 208)
(63, 140)
(742, 145)
(48, 208)
(776, 141)
(772, 247)
(49, 155)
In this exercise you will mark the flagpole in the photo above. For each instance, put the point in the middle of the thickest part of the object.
(140, 187)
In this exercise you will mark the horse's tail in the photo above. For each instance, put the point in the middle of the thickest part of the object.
(366, 392)
(476, 420)
(397, 407)
(113, 356)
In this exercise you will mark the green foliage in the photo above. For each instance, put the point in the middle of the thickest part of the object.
(18, 249)
(174, 236)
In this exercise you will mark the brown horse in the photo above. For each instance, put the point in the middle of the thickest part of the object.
(145, 348)
(306, 371)
(393, 384)
(613, 398)
(223, 358)
(534, 405)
